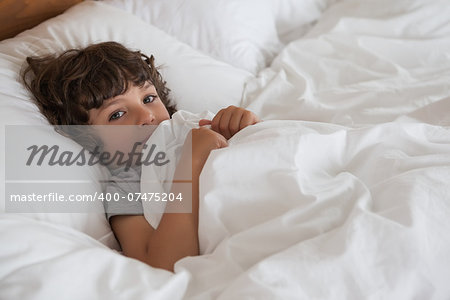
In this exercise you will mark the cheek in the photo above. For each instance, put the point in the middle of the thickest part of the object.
(118, 139)
(117, 146)
(163, 113)
(94, 118)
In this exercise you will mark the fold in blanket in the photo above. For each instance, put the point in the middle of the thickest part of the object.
(360, 209)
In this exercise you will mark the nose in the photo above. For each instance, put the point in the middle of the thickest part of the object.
(145, 116)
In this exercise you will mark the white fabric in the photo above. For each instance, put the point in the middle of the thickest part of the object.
(366, 62)
(294, 18)
(320, 211)
(351, 204)
(245, 34)
(242, 33)
(311, 207)
(43, 261)
(168, 138)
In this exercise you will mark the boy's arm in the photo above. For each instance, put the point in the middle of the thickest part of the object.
(177, 233)
(175, 237)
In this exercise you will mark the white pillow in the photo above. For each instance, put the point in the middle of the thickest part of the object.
(243, 33)
(197, 81)
(294, 18)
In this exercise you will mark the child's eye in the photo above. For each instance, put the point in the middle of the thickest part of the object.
(116, 115)
(149, 99)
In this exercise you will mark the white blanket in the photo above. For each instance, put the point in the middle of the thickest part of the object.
(366, 62)
(290, 209)
(168, 138)
(318, 211)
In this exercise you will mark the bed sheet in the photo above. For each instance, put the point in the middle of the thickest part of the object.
(365, 62)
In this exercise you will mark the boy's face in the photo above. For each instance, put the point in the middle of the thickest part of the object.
(139, 106)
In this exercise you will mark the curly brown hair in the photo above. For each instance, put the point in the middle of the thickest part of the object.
(67, 86)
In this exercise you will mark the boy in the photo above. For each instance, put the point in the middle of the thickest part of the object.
(107, 84)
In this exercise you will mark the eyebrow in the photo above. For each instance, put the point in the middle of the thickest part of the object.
(147, 84)
(107, 104)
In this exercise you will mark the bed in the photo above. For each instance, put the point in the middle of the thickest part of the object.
(342, 192)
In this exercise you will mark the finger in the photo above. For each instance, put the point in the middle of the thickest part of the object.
(216, 120)
(220, 122)
(248, 118)
(204, 122)
(222, 142)
(224, 125)
(235, 121)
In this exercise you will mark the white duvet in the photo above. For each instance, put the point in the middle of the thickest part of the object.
(319, 211)
(365, 62)
(346, 197)
(290, 209)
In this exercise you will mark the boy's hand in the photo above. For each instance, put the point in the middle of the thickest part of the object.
(230, 120)
(204, 140)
